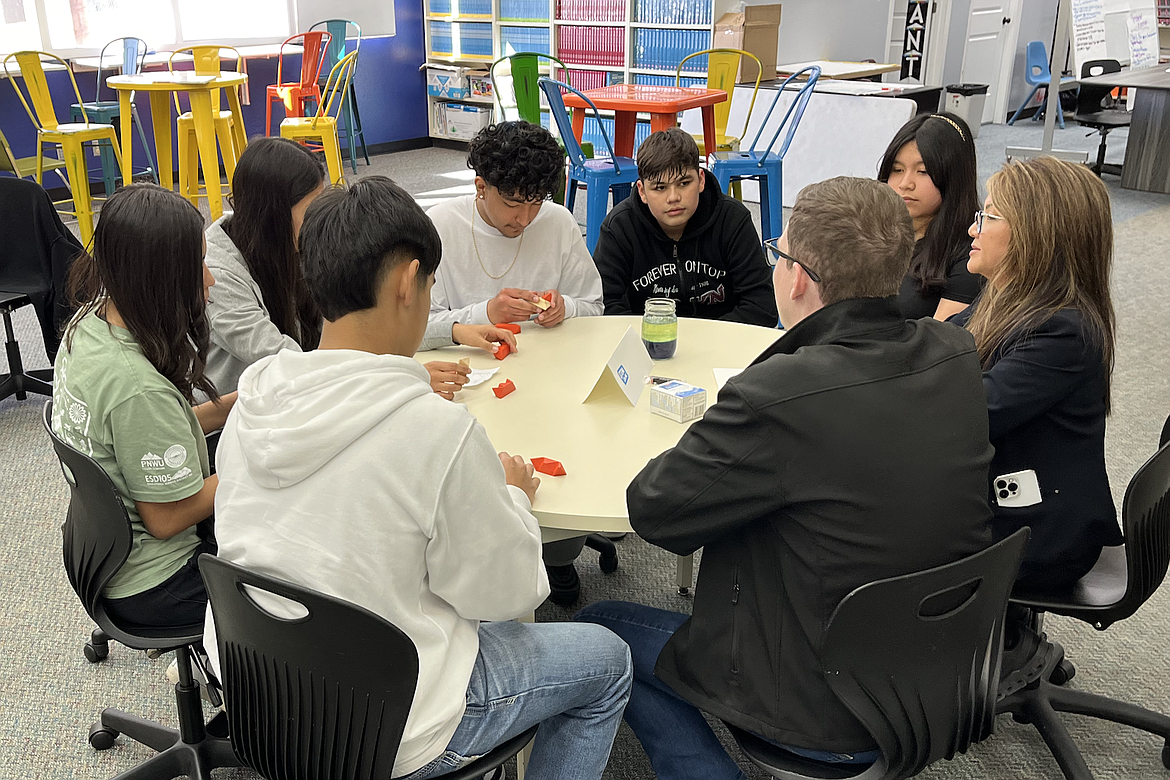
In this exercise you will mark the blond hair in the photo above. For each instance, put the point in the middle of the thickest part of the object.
(1059, 256)
(856, 234)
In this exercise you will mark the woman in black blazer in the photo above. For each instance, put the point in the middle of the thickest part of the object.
(1044, 328)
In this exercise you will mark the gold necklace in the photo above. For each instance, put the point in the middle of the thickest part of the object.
(476, 247)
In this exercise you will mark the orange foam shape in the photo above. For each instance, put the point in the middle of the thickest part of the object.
(508, 326)
(502, 350)
(548, 466)
(503, 388)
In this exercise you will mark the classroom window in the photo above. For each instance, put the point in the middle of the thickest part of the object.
(18, 26)
(234, 20)
(89, 24)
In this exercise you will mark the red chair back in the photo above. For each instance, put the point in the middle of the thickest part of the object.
(313, 45)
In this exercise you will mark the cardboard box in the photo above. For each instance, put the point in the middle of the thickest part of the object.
(756, 29)
(447, 81)
(464, 121)
(678, 401)
(480, 83)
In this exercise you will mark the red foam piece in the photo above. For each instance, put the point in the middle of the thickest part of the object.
(548, 466)
(548, 297)
(503, 388)
(502, 350)
(508, 326)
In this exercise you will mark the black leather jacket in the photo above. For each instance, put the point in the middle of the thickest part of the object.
(854, 448)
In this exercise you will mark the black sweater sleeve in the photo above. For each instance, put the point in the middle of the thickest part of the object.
(747, 274)
(614, 258)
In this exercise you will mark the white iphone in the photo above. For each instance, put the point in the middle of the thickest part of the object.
(1018, 489)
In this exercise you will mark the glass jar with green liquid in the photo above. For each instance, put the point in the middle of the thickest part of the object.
(660, 328)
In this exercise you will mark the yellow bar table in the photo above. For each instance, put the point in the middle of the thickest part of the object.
(199, 89)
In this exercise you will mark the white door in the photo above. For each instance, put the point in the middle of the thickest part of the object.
(985, 57)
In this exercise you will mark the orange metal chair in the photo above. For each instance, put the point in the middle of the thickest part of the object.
(322, 126)
(231, 139)
(70, 136)
(294, 94)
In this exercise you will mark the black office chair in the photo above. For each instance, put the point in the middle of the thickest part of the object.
(97, 541)
(323, 696)
(915, 659)
(1092, 111)
(1117, 586)
(34, 260)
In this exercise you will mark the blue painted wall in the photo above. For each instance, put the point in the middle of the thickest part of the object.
(391, 92)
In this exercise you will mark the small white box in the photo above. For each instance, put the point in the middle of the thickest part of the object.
(678, 400)
(464, 121)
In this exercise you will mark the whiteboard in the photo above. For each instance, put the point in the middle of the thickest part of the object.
(1113, 20)
(840, 135)
(375, 17)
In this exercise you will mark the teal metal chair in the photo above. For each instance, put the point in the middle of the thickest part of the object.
(349, 118)
(598, 175)
(107, 111)
(764, 165)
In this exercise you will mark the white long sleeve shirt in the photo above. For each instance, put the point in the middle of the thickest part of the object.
(341, 471)
(552, 256)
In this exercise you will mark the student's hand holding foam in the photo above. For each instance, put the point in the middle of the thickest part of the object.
(483, 337)
(447, 379)
(513, 305)
(520, 474)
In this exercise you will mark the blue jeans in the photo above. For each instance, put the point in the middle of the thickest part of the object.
(572, 679)
(674, 732)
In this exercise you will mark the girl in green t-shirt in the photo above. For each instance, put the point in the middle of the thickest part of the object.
(132, 361)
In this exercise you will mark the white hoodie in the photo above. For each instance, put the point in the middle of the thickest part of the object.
(341, 471)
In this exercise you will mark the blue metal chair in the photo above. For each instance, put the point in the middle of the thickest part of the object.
(107, 111)
(764, 165)
(349, 118)
(600, 174)
(1037, 74)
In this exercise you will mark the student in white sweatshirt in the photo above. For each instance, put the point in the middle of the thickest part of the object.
(343, 472)
(507, 245)
(261, 303)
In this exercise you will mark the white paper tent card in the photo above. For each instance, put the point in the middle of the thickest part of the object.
(626, 371)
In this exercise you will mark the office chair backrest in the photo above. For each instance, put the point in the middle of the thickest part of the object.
(325, 695)
(1145, 516)
(556, 106)
(916, 658)
(97, 534)
(795, 111)
(1164, 439)
(1091, 96)
(1036, 64)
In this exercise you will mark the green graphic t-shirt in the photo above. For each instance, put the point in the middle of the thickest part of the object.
(111, 403)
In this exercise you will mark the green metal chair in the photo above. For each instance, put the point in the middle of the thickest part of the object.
(133, 51)
(350, 119)
(523, 73)
(24, 167)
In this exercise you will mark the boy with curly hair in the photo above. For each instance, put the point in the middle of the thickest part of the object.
(506, 246)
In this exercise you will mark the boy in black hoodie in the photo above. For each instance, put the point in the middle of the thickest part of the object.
(683, 238)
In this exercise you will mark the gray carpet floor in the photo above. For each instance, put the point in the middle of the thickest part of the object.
(51, 694)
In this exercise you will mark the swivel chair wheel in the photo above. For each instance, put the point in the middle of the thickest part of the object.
(102, 737)
(1062, 672)
(608, 563)
(97, 649)
(96, 653)
(683, 591)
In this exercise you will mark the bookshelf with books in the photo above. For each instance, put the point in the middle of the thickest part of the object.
(602, 42)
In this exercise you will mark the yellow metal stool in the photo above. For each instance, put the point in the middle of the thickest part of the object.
(71, 137)
(322, 126)
(231, 139)
(722, 69)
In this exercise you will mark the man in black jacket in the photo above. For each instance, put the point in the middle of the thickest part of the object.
(683, 238)
(854, 448)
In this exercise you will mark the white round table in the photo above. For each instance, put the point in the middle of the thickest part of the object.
(603, 444)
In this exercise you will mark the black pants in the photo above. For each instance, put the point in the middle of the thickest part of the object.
(179, 601)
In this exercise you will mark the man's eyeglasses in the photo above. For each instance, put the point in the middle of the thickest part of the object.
(981, 215)
(775, 255)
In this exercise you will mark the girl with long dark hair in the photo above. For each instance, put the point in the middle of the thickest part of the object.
(261, 304)
(132, 362)
(1044, 328)
(930, 163)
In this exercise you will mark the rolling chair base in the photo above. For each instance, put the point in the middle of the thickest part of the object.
(20, 384)
(194, 753)
(1040, 702)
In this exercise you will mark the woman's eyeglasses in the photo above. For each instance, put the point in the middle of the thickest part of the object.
(775, 256)
(981, 215)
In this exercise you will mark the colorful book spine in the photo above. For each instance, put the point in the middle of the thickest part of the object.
(581, 45)
(673, 11)
(656, 49)
(475, 40)
(531, 39)
(439, 7)
(524, 10)
(442, 40)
